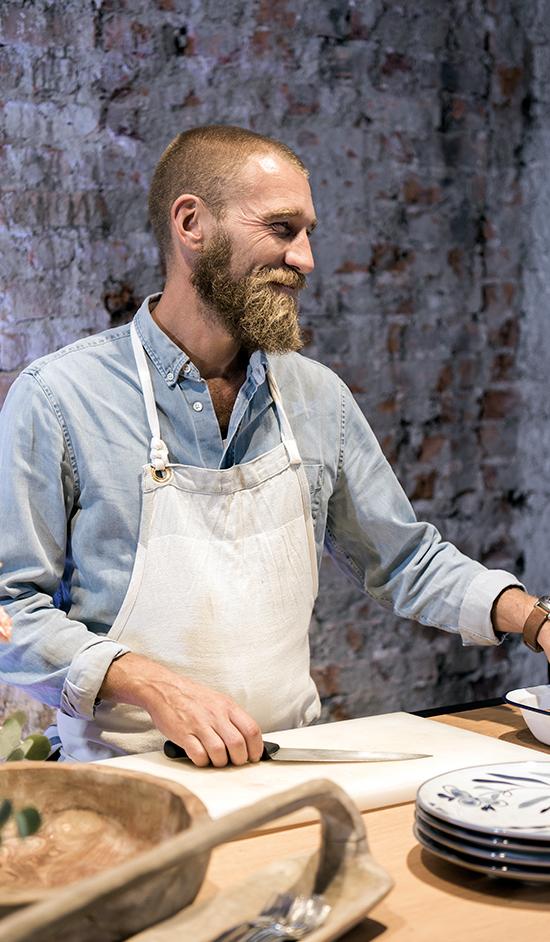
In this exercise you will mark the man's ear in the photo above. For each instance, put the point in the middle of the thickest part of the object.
(190, 220)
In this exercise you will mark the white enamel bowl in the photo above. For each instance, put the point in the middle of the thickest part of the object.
(534, 703)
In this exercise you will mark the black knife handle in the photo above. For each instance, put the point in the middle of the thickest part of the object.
(270, 748)
(173, 751)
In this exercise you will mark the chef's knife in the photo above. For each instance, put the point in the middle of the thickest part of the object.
(280, 753)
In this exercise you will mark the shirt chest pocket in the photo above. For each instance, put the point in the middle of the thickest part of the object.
(314, 475)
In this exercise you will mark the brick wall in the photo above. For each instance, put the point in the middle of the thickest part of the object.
(531, 526)
(424, 126)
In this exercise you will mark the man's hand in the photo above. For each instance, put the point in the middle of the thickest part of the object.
(209, 725)
(544, 639)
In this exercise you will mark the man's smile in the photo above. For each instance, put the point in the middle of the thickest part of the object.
(286, 288)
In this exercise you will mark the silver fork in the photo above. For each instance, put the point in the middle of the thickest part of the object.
(285, 917)
(276, 908)
(304, 915)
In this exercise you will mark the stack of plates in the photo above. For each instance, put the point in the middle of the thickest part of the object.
(491, 818)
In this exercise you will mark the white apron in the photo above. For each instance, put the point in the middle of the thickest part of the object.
(222, 589)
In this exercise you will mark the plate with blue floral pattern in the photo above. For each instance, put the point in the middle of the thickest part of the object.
(508, 798)
(488, 854)
(492, 869)
(490, 842)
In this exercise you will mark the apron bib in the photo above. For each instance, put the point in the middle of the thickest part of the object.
(222, 589)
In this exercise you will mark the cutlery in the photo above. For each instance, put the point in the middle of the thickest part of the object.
(276, 908)
(273, 751)
(288, 917)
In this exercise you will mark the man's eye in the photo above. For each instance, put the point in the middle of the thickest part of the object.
(281, 228)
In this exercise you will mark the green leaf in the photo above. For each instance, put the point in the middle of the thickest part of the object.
(36, 747)
(28, 821)
(6, 809)
(15, 756)
(10, 735)
(19, 716)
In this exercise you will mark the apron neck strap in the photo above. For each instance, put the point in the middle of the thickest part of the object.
(286, 431)
(159, 451)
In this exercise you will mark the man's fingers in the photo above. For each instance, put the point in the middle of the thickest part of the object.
(195, 750)
(235, 743)
(215, 747)
(204, 748)
(250, 732)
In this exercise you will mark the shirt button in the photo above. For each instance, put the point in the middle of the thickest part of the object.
(170, 377)
(197, 406)
(187, 368)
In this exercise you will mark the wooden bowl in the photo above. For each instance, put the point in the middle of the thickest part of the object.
(342, 870)
(95, 819)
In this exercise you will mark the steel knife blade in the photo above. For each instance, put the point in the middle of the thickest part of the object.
(272, 751)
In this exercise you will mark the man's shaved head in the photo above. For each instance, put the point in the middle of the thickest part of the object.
(206, 162)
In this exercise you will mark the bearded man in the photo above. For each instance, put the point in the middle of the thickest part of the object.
(168, 486)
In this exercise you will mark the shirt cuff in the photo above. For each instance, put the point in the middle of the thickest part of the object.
(474, 621)
(79, 696)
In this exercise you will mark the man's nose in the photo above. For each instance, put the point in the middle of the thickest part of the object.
(299, 254)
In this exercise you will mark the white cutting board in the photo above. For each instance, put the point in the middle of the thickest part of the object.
(371, 784)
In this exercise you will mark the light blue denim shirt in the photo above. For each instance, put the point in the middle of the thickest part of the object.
(73, 441)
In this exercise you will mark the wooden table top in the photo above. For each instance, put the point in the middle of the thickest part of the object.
(432, 901)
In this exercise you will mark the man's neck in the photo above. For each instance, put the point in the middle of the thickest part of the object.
(213, 351)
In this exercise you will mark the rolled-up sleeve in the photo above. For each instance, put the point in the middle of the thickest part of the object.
(374, 536)
(56, 659)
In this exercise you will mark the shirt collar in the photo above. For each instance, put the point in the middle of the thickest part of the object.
(170, 360)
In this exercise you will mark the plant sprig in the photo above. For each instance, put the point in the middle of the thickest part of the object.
(12, 749)
(27, 820)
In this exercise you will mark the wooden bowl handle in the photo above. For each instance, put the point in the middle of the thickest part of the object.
(342, 828)
(342, 837)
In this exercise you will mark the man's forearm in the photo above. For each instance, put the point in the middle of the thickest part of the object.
(131, 678)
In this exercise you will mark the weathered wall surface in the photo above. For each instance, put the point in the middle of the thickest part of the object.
(424, 125)
(532, 526)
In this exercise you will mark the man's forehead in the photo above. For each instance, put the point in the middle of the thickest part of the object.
(273, 185)
(270, 166)
(268, 163)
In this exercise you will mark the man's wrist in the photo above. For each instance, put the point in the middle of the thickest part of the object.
(538, 618)
(512, 609)
(124, 682)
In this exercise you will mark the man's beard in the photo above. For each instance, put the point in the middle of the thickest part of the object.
(255, 312)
